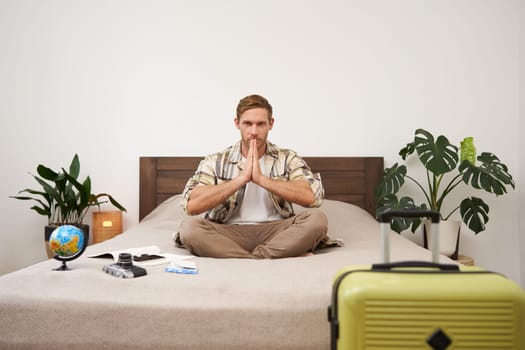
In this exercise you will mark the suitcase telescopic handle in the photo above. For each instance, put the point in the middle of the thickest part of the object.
(388, 215)
(385, 218)
(415, 264)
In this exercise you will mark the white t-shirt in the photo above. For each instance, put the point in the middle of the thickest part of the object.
(256, 206)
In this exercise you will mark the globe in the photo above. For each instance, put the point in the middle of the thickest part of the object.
(67, 242)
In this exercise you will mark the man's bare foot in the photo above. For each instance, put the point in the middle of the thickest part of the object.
(307, 254)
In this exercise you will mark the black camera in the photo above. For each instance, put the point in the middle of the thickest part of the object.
(124, 268)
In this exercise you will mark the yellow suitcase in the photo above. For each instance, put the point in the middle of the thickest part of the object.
(424, 305)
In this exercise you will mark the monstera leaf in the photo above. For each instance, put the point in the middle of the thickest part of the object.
(407, 150)
(491, 175)
(474, 212)
(467, 150)
(390, 202)
(393, 179)
(438, 156)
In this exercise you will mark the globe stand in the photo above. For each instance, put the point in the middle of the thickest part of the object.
(62, 267)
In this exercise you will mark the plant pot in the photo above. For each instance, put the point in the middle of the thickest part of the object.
(48, 230)
(449, 231)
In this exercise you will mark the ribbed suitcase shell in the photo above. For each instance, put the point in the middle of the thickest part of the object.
(424, 308)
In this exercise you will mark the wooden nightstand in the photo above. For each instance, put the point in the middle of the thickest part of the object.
(106, 224)
(465, 260)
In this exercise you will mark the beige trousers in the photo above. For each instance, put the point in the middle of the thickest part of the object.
(290, 237)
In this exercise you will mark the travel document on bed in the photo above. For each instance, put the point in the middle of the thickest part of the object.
(145, 256)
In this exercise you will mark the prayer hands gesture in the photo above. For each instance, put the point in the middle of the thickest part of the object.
(252, 170)
(203, 198)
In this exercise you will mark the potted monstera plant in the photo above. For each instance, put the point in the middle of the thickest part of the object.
(447, 167)
(63, 198)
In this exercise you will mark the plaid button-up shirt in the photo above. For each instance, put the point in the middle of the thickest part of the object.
(284, 165)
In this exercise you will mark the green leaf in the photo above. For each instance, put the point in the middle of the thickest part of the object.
(438, 156)
(50, 190)
(46, 172)
(474, 212)
(390, 202)
(30, 191)
(468, 150)
(115, 203)
(42, 211)
(393, 179)
(491, 175)
(86, 189)
(74, 167)
(61, 183)
(407, 150)
(25, 198)
(83, 189)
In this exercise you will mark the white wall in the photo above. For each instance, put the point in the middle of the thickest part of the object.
(114, 80)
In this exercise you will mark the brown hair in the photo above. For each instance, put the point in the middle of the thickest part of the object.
(251, 102)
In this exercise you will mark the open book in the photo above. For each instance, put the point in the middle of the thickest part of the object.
(144, 256)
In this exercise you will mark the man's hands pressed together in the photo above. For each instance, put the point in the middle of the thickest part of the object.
(298, 192)
(251, 169)
(203, 198)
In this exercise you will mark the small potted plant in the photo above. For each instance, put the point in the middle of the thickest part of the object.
(63, 199)
(440, 158)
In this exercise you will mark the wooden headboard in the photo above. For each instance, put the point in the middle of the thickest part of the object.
(348, 179)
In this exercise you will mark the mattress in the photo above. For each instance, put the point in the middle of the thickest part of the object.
(230, 304)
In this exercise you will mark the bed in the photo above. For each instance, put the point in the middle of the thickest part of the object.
(230, 304)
